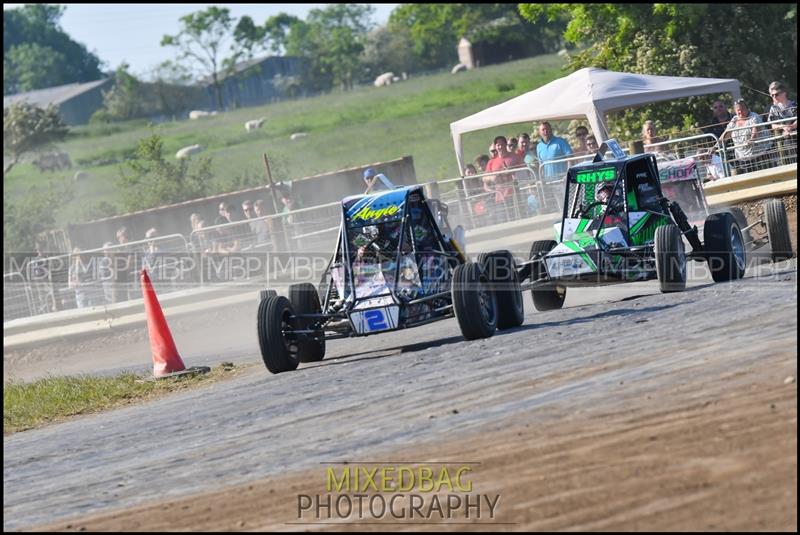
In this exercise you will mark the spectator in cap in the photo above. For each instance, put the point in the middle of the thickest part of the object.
(376, 181)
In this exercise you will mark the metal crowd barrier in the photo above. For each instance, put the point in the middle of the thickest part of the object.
(102, 276)
(700, 147)
(767, 147)
(472, 203)
(17, 297)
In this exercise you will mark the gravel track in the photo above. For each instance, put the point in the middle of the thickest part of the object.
(393, 391)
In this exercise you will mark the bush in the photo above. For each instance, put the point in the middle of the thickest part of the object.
(148, 180)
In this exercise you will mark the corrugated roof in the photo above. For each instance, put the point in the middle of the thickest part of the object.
(53, 95)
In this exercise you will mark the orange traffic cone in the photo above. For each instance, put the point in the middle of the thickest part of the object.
(165, 355)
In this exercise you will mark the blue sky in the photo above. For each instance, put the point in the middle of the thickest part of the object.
(133, 32)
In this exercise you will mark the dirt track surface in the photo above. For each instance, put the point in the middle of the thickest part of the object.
(647, 412)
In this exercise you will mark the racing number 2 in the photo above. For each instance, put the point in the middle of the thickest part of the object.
(375, 320)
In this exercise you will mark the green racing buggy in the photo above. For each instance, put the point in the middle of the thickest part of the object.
(618, 226)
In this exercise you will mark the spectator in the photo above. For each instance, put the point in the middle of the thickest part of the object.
(203, 243)
(105, 272)
(552, 147)
(581, 133)
(222, 216)
(720, 117)
(124, 262)
(481, 162)
(247, 209)
(591, 144)
(649, 137)
(194, 219)
(749, 151)
(502, 184)
(260, 226)
(375, 181)
(150, 250)
(512, 145)
(227, 240)
(80, 279)
(783, 108)
(524, 151)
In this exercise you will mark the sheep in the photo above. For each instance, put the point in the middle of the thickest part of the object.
(196, 114)
(298, 135)
(254, 124)
(384, 79)
(185, 152)
(80, 175)
(458, 68)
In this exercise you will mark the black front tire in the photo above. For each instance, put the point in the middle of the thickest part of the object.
(670, 259)
(279, 352)
(778, 230)
(724, 246)
(500, 269)
(305, 300)
(474, 303)
(550, 296)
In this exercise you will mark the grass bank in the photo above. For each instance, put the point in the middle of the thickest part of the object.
(54, 399)
(365, 125)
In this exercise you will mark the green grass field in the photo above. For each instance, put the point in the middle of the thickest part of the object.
(344, 129)
(54, 399)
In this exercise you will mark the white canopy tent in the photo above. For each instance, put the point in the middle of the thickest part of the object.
(589, 93)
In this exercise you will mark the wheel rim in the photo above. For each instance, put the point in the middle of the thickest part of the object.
(487, 305)
(737, 247)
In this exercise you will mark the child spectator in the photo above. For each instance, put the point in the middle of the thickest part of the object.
(481, 162)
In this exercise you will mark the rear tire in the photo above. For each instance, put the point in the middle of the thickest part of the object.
(474, 303)
(499, 268)
(305, 300)
(263, 294)
(778, 230)
(279, 353)
(670, 259)
(550, 296)
(724, 245)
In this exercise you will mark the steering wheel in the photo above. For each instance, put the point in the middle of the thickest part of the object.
(584, 212)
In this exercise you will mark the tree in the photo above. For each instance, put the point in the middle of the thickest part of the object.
(496, 30)
(330, 40)
(37, 53)
(337, 34)
(387, 51)
(25, 218)
(683, 40)
(28, 128)
(124, 100)
(149, 180)
(172, 90)
(201, 39)
(277, 29)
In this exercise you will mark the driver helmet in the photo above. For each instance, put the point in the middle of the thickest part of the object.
(604, 193)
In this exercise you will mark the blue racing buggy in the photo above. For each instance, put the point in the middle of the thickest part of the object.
(397, 264)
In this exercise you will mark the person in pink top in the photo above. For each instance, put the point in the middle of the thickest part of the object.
(503, 183)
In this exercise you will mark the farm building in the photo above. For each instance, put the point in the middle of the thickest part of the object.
(254, 82)
(75, 102)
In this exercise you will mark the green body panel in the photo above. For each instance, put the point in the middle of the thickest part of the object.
(644, 231)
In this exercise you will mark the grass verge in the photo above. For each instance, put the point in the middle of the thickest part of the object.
(53, 399)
